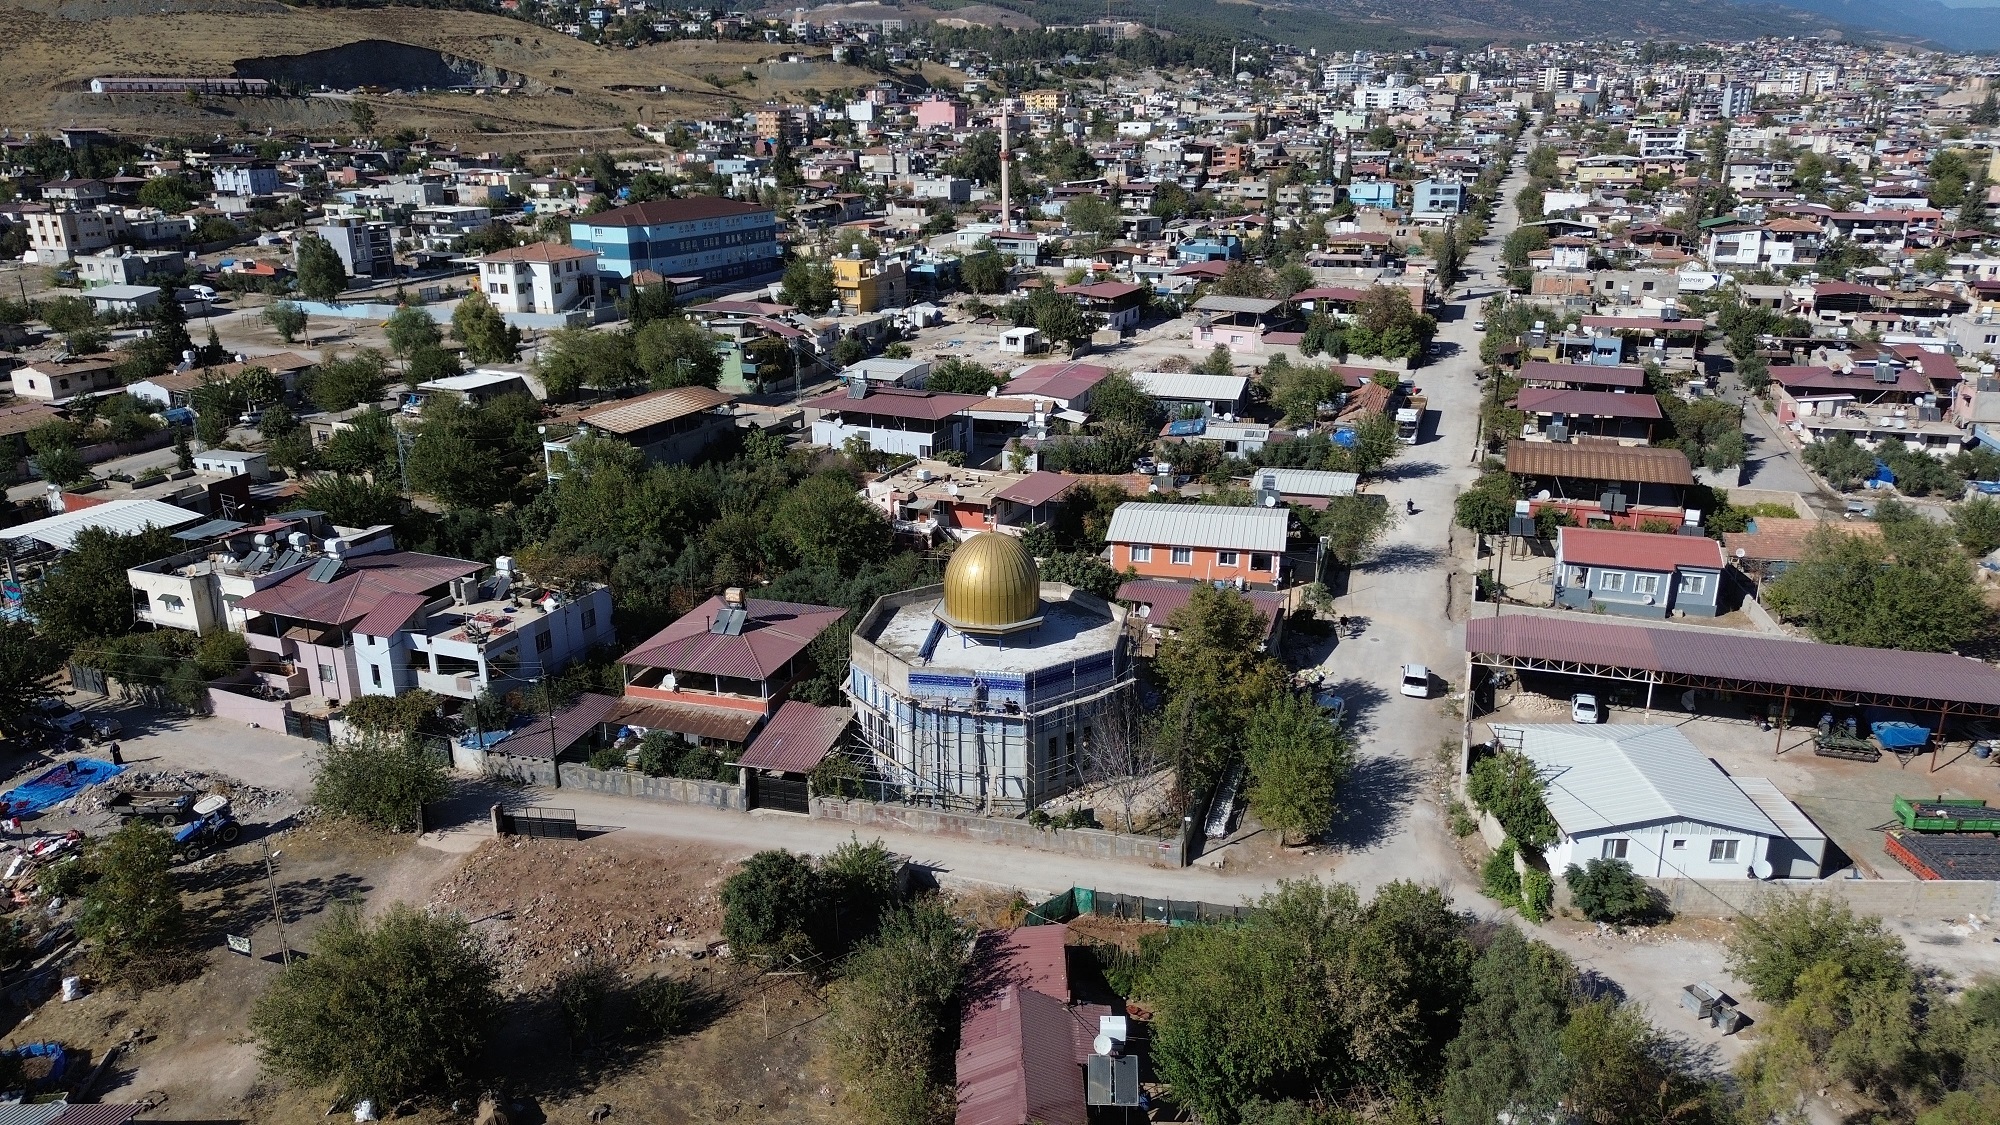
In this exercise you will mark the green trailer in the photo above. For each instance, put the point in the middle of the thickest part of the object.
(1947, 814)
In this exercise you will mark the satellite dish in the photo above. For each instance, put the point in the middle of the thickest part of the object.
(1761, 869)
(1739, 552)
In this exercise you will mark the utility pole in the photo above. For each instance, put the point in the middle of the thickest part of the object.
(277, 916)
(402, 456)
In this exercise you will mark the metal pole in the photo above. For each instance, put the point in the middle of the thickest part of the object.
(1784, 709)
(271, 878)
(1651, 679)
(1938, 742)
(1500, 568)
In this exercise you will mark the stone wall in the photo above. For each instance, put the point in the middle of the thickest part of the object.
(528, 771)
(629, 783)
(1088, 842)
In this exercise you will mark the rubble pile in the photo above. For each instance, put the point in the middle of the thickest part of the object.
(542, 904)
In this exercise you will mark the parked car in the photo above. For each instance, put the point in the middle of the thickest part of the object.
(1417, 681)
(1583, 708)
(1335, 707)
(1479, 326)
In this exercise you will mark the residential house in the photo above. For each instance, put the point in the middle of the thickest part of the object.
(1602, 482)
(893, 420)
(669, 427)
(1771, 545)
(865, 285)
(1200, 542)
(1023, 1038)
(730, 653)
(1646, 795)
(1583, 376)
(58, 382)
(1220, 395)
(546, 278)
(1637, 573)
(929, 498)
(366, 249)
(1560, 414)
(1118, 303)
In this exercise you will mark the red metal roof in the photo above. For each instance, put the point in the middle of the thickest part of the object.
(363, 584)
(1644, 324)
(1036, 488)
(1064, 381)
(1641, 550)
(572, 724)
(1722, 655)
(1018, 1057)
(797, 737)
(775, 632)
(719, 724)
(898, 402)
(1599, 404)
(657, 212)
(1165, 597)
(1797, 379)
(1546, 372)
(1599, 461)
(390, 614)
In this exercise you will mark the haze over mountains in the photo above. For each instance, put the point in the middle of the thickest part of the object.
(1966, 27)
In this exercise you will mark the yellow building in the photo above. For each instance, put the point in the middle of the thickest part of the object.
(865, 285)
(1043, 99)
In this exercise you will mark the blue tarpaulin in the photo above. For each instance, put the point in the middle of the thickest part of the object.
(1187, 427)
(1346, 438)
(1900, 736)
(57, 785)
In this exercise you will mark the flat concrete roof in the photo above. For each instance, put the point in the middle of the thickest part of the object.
(1071, 629)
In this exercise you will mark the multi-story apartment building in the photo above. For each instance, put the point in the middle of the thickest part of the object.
(545, 278)
(699, 236)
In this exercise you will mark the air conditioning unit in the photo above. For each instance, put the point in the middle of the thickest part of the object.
(1559, 433)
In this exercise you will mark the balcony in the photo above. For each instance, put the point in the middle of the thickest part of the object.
(463, 685)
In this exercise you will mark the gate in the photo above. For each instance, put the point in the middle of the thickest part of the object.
(785, 794)
(308, 726)
(541, 823)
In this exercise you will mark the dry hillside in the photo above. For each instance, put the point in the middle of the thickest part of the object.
(557, 84)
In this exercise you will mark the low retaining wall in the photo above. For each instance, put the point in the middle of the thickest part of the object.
(247, 709)
(1091, 843)
(527, 771)
(1942, 898)
(628, 783)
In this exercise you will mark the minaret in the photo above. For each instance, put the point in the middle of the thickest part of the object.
(1006, 215)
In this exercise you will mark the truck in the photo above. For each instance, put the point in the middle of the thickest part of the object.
(168, 806)
(1410, 418)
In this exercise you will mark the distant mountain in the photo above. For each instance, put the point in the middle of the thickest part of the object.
(1961, 29)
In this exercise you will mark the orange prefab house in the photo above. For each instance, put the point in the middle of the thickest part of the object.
(1200, 542)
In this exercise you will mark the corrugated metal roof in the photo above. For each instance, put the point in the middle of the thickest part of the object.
(724, 724)
(774, 633)
(1641, 550)
(572, 724)
(1018, 1058)
(1592, 404)
(125, 517)
(1191, 385)
(1790, 819)
(1725, 655)
(1599, 461)
(1619, 776)
(1587, 374)
(797, 737)
(31, 1114)
(1256, 306)
(1201, 525)
(96, 1115)
(1307, 482)
(650, 410)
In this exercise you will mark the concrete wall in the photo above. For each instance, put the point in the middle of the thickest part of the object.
(1725, 898)
(248, 709)
(528, 771)
(1088, 842)
(628, 783)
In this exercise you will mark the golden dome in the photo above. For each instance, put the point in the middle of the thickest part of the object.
(991, 586)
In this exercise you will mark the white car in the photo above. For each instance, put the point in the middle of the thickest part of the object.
(1479, 326)
(1583, 708)
(1417, 681)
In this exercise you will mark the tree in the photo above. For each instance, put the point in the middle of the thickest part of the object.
(1977, 525)
(322, 276)
(649, 303)
(345, 382)
(1506, 785)
(1608, 890)
(411, 329)
(1298, 760)
(27, 660)
(1353, 525)
(1785, 934)
(1386, 324)
(86, 596)
(952, 375)
(574, 358)
(353, 501)
(166, 193)
(393, 1009)
(822, 522)
(1084, 571)
(678, 353)
(428, 365)
(379, 780)
(1910, 588)
(1507, 1055)
(362, 114)
(807, 284)
(892, 1016)
(1842, 461)
(286, 319)
(486, 335)
(770, 904)
(131, 910)
(1215, 677)
(61, 465)
(983, 271)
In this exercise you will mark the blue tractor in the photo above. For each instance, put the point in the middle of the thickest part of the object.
(213, 826)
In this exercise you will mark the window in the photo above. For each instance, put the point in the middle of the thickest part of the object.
(543, 641)
(375, 674)
(1225, 558)
(172, 603)
(1721, 851)
(1694, 583)
(1260, 562)
(1182, 556)
(1613, 580)
(1578, 576)
(326, 673)
(1616, 849)
(1648, 584)
(590, 617)
(1142, 554)
(1680, 845)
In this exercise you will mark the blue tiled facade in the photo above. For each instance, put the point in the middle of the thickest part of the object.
(716, 239)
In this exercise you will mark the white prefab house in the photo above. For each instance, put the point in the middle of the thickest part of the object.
(1645, 795)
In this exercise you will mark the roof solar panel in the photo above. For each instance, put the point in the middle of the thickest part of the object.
(323, 570)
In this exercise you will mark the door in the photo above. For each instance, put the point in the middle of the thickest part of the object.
(782, 792)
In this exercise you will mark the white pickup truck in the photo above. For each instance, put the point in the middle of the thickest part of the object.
(1410, 419)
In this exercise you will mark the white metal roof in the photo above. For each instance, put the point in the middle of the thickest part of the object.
(1308, 482)
(1619, 776)
(470, 381)
(125, 517)
(1200, 525)
(122, 292)
(1790, 819)
(1192, 386)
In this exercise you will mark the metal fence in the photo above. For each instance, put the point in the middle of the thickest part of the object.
(1078, 901)
(541, 823)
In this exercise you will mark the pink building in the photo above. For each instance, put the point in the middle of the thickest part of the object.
(940, 114)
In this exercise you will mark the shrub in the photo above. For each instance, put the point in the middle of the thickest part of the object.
(1608, 890)
(1538, 894)
(379, 779)
(1498, 877)
(668, 1006)
(607, 758)
(1506, 785)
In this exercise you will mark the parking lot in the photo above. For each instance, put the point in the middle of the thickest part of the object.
(1851, 801)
